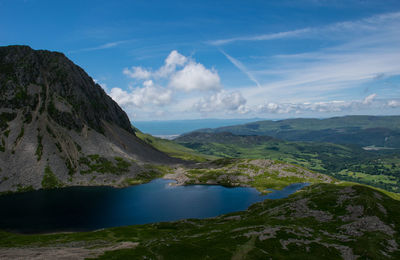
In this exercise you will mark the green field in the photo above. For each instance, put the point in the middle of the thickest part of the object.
(345, 162)
(382, 131)
(174, 149)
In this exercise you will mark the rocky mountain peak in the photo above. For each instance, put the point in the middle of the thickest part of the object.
(59, 128)
(71, 96)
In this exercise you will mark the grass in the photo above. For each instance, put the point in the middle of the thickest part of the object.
(50, 180)
(255, 233)
(349, 163)
(20, 135)
(242, 172)
(2, 145)
(98, 164)
(174, 149)
(39, 148)
(5, 118)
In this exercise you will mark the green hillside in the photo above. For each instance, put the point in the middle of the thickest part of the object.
(360, 130)
(174, 149)
(322, 221)
(346, 162)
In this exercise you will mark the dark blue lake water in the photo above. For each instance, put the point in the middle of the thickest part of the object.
(89, 208)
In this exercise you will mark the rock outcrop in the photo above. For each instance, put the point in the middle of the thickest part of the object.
(59, 128)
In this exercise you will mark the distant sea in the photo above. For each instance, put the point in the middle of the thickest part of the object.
(174, 128)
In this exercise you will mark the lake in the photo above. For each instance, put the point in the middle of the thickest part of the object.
(90, 208)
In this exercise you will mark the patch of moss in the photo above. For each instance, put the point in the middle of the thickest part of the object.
(5, 118)
(21, 134)
(97, 163)
(6, 133)
(28, 118)
(21, 188)
(21, 94)
(70, 167)
(39, 148)
(50, 180)
(2, 146)
(58, 145)
(48, 129)
(78, 147)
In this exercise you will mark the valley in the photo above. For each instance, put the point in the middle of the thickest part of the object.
(338, 158)
(62, 134)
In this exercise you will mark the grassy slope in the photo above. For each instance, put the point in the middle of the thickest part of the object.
(351, 163)
(174, 149)
(260, 174)
(321, 222)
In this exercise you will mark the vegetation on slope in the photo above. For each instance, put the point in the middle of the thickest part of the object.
(360, 130)
(96, 163)
(50, 180)
(346, 162)
(260, 174)
(321, 222)
(174, 149)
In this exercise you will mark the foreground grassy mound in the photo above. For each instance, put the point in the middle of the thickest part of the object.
(322, 221)
(260, 174)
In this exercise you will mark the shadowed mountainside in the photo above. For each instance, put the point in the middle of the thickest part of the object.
(59, 128)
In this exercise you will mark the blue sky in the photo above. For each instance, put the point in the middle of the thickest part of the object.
(165, 60)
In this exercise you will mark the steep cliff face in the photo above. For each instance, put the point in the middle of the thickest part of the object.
(59, 128)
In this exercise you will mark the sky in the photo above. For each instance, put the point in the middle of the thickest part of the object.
(169, 60)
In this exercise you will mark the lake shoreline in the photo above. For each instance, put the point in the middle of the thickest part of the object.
(185, 202)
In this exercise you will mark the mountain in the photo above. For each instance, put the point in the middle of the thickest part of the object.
(383, 131)
(59, 128)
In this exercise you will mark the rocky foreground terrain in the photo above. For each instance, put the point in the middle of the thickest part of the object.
(262, 174)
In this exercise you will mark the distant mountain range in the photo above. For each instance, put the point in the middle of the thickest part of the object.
(361, 130)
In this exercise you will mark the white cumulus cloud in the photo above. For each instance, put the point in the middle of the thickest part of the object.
(222, 101)
(194, 76)
(393, 103)
(324, 107)
(181, 72)
(149, 94)
(137, 73)
(174, 60)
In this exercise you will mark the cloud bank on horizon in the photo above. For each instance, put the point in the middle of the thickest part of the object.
(225, 59)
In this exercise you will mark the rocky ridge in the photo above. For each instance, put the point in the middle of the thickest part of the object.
(59, 128)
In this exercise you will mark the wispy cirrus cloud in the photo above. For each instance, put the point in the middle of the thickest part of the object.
(102, 46)
(336, 70)
(369, 23)
(241, 67)
(261, 37)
